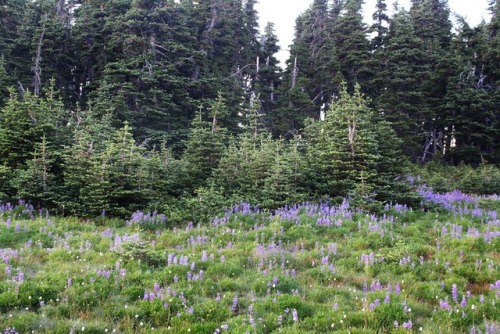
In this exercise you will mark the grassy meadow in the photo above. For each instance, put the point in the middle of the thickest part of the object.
(306, 268)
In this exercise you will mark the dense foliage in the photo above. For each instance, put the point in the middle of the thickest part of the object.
(111, 106)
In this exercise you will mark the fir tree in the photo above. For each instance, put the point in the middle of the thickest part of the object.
(25, 121)
(430, 19)
(352, 47)
(205, 146)
(469, 113)
(4, 82)
(346, 157)
(312, 75)
(37, 182)
(269, 74)
(403, 90)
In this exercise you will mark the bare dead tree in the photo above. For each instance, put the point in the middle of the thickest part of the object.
(294, 73)
(37, 69)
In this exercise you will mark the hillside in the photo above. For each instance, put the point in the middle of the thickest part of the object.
(307, 268)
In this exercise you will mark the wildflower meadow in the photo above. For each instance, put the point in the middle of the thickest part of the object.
(304, 268)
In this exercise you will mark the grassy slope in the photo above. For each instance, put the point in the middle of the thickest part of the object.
(304, 269)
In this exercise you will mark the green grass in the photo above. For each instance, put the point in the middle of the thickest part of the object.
(252, 274)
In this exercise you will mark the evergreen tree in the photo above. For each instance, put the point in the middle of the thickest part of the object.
(312, 74)
(10, 19)
(105, 172)
(152, 72)
(269, 74)
(380, 29)
(123, 161)
(403, 89)
(86, 181)
(470, 120)
(380, 25)
(433, 27)
(4, 82)
(25, 121)
(205, 146)
(352, 153)
(352, 47)
(93, 44)
(257, 169)
(37, 182)
(42, 50)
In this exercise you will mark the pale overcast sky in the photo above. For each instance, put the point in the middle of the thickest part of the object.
(284, 12)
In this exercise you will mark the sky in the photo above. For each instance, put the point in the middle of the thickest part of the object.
(284, 12)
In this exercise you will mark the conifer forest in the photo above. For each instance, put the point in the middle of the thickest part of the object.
(162, 172)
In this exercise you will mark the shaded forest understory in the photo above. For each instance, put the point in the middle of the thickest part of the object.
(107, 107)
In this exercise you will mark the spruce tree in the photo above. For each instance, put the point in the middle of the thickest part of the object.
(93, 44)
(11, 12)
(4, 82)
(25, 121)
(205, 146)
(469, 113)
(152, 74)
(312, 74)
(36, 182)
(123, 161)
(352, 48)
(403, 89)
(380, 25)
(269, 74)
(42, 49)
(380, 29)
(432, 25)
(353, 153)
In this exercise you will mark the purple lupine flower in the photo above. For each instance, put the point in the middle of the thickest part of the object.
(397, 289)
(295, 316)
(444, 305)
(234, 306)
(408, 324)
(491, 328)
(454, 293)
(396, 324)
(204, 256)
(464, 302)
